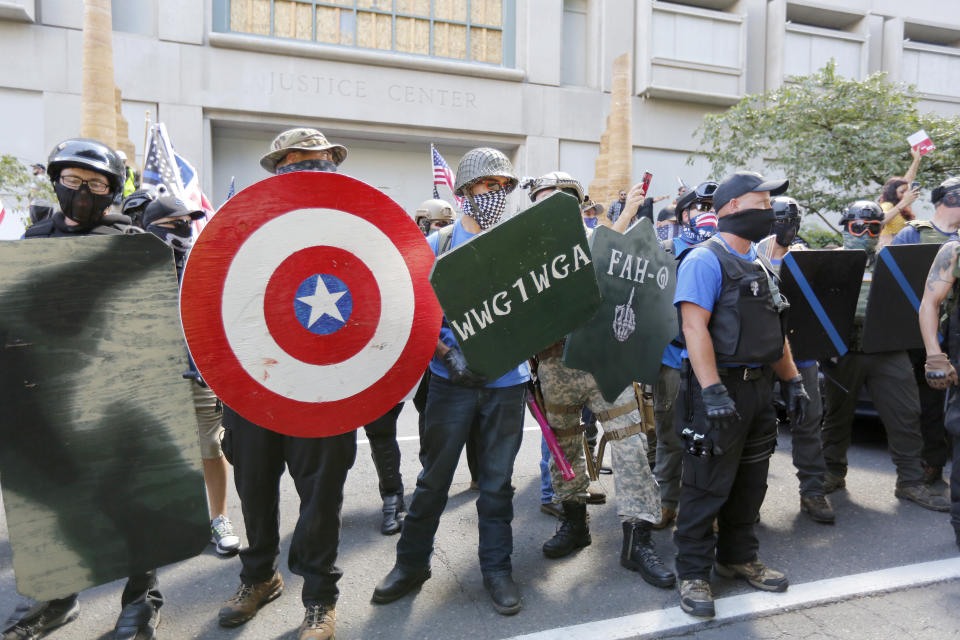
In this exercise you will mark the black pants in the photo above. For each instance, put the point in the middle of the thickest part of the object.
(382, 435)
(319, 468)
(729, 487)
(935, 445)
(143, 587)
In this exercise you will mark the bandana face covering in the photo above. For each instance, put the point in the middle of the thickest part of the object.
(752, 224)
(489, 210)
(80, 205)
(314, 164)
(865, 242)
(702, 226)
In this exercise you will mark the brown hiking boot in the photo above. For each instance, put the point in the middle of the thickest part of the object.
(667, 516)
(818, 508)
(248, 599)
(696, 598)
(922, 495)
(319, 623)
(757, 574)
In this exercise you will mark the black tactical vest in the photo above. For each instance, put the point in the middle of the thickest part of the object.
(748, 322)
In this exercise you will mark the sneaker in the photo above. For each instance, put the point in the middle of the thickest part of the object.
(33, 620)
(319, 623)
(757, 575)
(832, 482)
(222, 535)
(922, 496)
(248, 599)
(818, 508)
(696, 598)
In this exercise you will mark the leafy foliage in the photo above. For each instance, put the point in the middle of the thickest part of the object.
(837, 139)
(818, 238)
(17, 180)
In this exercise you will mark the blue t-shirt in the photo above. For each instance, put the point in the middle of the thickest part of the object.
(672, 356)
(909, 235)
(700, 279)
(517, 376)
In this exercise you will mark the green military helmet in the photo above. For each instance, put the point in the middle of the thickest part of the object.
(559, 181)
(483, 162)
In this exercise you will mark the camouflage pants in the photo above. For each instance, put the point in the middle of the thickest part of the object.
(638, 496)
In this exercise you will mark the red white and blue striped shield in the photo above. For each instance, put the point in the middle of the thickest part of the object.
(306, 303)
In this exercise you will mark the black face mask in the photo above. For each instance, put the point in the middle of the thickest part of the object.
(786, 233)
(179, 237)
(314, 164)
(80, 205)
(752, 224)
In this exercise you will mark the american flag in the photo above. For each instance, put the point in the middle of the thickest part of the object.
(171, 174)
(442, 174)
(11, 226)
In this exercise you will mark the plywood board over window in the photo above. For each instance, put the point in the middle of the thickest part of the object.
(450, 10)
(293, 19)
(374, 30)
(488, 12)
(485, 45)
(250, 16)
(413, 36)
(414, 7)
(449, 40)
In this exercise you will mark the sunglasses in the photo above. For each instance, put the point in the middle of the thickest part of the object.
(439, 224)
(951, 198)
(493, 186)
(702, 206)
(859, 228)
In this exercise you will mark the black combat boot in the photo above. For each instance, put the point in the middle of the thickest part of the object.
(386, 459)
(393, 510)
(573, 532)
(638, 554)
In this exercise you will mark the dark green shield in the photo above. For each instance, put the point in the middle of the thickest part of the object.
(99, 460)
(518, 287)
(624, 342)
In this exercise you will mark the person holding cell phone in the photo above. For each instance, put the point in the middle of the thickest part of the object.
(897, 195)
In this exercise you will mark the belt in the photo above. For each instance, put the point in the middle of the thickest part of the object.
(742, 373)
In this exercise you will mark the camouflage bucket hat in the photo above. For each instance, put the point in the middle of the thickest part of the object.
(300, 139)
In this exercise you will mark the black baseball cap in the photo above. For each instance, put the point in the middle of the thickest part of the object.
(168, 207)
(741, 182)
(667, 213)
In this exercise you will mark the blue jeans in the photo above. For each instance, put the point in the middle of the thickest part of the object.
(450, 413)
(546, 484)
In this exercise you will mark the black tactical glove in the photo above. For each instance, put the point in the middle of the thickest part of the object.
(460, 374)
(719, 407)
(796, 398)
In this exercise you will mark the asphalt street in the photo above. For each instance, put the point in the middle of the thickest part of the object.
(874, 531)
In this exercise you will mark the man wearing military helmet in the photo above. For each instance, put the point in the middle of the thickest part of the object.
(566, 392)
(457, 400)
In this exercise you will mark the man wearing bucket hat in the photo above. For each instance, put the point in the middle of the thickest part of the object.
(303, 149)
(318, 467)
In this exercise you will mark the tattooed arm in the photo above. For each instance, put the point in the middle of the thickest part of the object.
(939, 281)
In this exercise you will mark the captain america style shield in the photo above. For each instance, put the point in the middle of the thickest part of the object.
(306, 305)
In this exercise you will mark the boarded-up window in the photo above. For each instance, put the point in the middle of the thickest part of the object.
(460, 29)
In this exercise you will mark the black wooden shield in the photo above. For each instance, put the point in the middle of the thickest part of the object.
(822, 289)
(891, 322)
(99, 460)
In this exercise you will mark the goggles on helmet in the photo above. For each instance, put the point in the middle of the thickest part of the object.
(857, 228)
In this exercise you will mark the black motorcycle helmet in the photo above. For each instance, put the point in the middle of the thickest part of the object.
(786, 210)
(86, 154)
(135, 204)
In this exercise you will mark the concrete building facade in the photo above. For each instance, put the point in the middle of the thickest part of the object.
(388, 77)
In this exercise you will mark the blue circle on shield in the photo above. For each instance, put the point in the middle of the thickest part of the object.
(323, 304)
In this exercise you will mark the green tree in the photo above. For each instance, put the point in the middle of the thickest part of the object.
(837, 139)
(17, 180)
